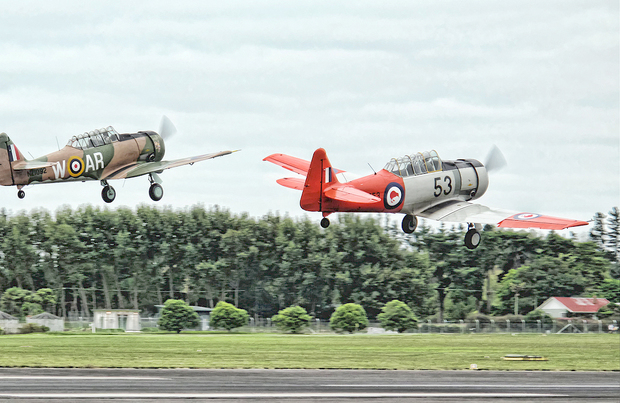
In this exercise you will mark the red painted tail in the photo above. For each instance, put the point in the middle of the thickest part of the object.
(320, 176)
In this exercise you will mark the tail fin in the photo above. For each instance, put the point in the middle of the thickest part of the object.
(320, 176)
(9, 154)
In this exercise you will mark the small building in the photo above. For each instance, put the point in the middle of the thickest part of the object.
(560, 307)
(53, 322)
(9, 323)
(126, 319)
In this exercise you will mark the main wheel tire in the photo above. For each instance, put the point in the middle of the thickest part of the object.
(108, 194)
(410, 223)
(472, 238)
(156, 192)
(21, 194)
(325, 222)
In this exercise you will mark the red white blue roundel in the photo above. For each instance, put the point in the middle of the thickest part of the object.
(393, 196)
(526, 216)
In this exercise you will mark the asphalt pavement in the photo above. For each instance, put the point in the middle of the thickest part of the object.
(179, 385)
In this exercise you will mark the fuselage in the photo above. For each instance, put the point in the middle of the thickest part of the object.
(91, 156)
(403, 189)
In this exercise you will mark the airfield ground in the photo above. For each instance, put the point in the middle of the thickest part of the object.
(565, 352)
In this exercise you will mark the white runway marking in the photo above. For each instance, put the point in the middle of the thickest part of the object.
(268, 395)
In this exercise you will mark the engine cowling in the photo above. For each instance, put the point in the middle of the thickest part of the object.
(474, 179)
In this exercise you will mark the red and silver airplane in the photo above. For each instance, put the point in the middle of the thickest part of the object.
(417, 185)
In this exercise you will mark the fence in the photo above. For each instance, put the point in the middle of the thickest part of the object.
(265, 325)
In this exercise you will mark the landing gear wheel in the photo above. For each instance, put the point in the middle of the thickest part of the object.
(108, 194)
(21, 194)
(472, 238)
(410, 223)
(156, 192)
(325, 222)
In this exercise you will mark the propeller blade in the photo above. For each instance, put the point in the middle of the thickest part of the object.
(166, 128)
(495, 160)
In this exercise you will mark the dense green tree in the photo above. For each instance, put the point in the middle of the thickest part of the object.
(292, 319)
(396, 315)
(349, 318)
(176, 315)
(227, 316)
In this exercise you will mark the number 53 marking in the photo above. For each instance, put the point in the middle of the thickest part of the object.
(438, 189)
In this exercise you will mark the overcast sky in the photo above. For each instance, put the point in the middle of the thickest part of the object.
(366, 80)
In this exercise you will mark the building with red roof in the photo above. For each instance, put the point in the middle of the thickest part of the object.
(559, 307)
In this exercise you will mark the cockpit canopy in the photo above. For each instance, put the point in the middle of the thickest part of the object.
(95, 138)
(415, 164)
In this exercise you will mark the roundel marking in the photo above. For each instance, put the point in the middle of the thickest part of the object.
(393, 195)
(526, 216)
(76, 166)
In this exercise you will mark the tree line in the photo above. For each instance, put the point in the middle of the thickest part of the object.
(92, 258)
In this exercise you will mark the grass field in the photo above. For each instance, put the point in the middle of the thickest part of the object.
(567, 352)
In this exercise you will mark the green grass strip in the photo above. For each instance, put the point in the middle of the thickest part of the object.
(570, 352)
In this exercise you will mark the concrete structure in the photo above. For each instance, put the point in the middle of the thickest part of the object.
(126, 319)
(55, 323)
(9, 323)
(560, 307)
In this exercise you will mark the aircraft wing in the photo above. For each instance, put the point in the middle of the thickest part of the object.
(453, 211)
(350, 194)
(143, 168)
(32, 165)
(294, 164)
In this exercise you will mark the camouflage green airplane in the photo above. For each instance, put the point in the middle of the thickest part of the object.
(101, 155)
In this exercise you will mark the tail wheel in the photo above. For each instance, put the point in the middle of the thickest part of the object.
(410, 223)
(325, 222)
(21, 194)
(108, 194)
(156, 192)
(472, 238)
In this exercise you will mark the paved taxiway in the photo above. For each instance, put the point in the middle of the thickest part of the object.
(94, 385)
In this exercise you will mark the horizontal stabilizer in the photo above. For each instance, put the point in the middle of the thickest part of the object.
(350, 194)
(32, 165)
(293, 183)
(294, 164)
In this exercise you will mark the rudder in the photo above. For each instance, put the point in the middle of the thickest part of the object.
(320, 176)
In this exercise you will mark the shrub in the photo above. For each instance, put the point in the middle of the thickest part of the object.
(1, 331)
(227, 316)
(608, 311)
(540, 315)
(177, 315)
(397, 315)
(292, 319)
(349, 318)
(33, 328)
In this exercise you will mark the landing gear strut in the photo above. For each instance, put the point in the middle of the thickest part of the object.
(410, 223)
(156, 191)
(108, 194)
(472, 237)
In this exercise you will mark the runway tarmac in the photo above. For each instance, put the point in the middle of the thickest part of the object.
(167, 385)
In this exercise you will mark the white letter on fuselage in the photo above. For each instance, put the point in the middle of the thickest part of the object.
(90, 166)
(59, 170)
(98, 160)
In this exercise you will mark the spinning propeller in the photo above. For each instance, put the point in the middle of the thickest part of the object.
(495, 160)
(166, 128)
